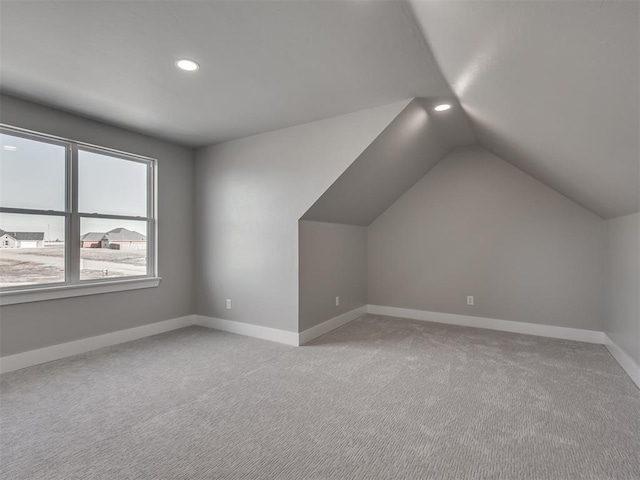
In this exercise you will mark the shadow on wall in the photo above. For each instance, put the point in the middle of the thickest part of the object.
(403, 153)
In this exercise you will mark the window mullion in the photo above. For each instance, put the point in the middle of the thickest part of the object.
(114, 217)
(31, 211)
(73, 248)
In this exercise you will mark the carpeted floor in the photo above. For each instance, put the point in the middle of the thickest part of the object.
(380, 398)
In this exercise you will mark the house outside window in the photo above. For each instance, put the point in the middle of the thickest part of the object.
(73, 215)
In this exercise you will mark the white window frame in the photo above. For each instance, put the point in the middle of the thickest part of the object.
(73, 286)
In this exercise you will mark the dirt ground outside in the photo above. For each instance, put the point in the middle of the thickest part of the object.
(29, 266)
(130, 257)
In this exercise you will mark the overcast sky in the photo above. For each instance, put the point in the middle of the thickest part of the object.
(32, 175)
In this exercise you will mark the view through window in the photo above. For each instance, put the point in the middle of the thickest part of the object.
(71, 213)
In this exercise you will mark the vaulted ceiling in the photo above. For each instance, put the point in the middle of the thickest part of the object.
(553, 87)
(414, 142)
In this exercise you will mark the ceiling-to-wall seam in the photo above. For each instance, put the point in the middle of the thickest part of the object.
(481, 144)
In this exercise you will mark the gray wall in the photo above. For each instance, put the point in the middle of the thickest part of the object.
(333, 262)
(34, 325)
(476, 225)
(622, 307)
(250, 194)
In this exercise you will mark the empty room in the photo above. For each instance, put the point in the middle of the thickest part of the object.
(320, 239)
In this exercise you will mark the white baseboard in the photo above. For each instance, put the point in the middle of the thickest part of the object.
(265, 333)
(63, 350)
(331, 324)
(56, 352)
(590, 336)
(626, 362)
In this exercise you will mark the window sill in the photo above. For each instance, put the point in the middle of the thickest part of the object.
(78, 290)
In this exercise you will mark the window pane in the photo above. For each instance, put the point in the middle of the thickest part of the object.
(32, 174)
(31, 249)
(112, 248)
(110, 185)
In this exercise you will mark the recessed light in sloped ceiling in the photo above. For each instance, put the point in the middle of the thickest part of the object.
(187, 64)
(443, 107)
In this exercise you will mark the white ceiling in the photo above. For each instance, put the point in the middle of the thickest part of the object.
(553, 87)
(265, 65)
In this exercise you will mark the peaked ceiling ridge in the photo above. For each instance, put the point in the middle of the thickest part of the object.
(481, 140)
(571, 125)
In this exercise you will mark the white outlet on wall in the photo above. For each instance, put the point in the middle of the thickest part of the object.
(228, 304)
(470, 300)
(337, 301)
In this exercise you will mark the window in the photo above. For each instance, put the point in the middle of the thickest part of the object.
(73, 215)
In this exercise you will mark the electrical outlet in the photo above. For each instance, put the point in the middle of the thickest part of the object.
(470, 300)
(337, 301)
(228, 304)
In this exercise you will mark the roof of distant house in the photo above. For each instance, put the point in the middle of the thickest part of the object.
(93, 237)
(124, 235)
(24, 235)
(115, 235)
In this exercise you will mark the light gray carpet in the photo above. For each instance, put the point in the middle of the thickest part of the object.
(380, 398)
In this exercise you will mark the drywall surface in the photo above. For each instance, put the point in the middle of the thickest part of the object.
(476, 225)
(333, 262)
(34, 325)
(552, 87)
(250, 194)
(397, 159)
(622, 307)
(265, 65)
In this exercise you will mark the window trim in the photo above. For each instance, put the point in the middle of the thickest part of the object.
(56, 291)
(73, 286)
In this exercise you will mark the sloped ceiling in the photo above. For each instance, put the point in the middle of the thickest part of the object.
(416, 140)
(264, 65)
(552, 87)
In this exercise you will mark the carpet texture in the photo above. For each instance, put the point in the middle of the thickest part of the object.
(379, 398)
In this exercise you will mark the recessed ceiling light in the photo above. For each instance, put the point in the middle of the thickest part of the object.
(186, 64)
(10, 148)
(442, 107)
